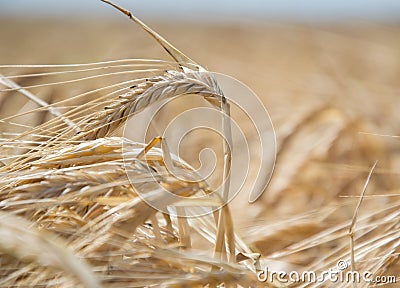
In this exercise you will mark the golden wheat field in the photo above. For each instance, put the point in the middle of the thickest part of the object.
(71, 216)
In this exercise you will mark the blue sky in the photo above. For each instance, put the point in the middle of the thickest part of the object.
(217, 10)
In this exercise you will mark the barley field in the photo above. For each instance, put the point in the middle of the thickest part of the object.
(71, 217)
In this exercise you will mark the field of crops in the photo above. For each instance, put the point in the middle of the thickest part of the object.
(332, 93)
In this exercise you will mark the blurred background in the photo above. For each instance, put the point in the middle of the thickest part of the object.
(220, 11)
(327, 71)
